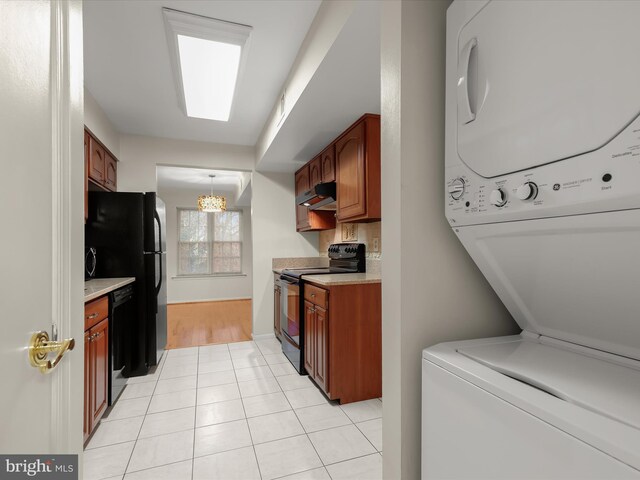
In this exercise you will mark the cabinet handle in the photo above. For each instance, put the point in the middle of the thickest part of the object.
(92, 316)
(313, 295)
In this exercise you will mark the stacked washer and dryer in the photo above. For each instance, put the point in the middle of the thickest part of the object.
(543, 190)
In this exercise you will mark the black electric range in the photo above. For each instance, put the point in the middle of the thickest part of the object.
(343, 258)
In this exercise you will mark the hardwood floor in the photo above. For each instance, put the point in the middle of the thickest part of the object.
(205, 323)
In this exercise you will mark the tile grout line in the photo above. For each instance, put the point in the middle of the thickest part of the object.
(307, 434)
(253, 445)
(195, 415)
(145, 414)
(280, 390)
(365, 435)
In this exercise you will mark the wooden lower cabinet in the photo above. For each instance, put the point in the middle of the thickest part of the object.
(86, 423)
(277, 329)
(321, 331)
(343, 340)
(96, 368)
(309, 339)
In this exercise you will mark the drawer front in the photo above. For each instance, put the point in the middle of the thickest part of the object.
(95, 311)
(315, 295)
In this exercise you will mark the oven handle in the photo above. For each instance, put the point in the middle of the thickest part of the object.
(286, 336)
(284, 280)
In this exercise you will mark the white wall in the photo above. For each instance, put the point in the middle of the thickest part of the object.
(274, 235)
(184, 289)
(432, 291)
(140, 155)
(96, 120)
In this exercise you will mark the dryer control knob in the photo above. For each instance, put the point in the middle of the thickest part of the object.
(456, 188)
(527, 191)
(498, 197)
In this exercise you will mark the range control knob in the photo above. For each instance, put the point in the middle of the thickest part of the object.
(498, 197)
(456, 188)
(527, 191)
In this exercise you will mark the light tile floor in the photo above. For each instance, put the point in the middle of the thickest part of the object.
(233, 411)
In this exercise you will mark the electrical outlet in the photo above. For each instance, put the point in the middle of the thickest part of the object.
(376, 244)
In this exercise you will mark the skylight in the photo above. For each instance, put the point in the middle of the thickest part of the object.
(207, 57)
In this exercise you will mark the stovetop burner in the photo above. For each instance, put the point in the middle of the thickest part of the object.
(343, 258)
(298, 272)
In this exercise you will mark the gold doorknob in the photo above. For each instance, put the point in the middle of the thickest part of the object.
(40, 347)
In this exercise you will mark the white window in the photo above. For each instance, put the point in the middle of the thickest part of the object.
(209, 243)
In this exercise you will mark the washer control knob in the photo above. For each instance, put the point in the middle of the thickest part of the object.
(456, 188)
(498, 197)
(527, 191)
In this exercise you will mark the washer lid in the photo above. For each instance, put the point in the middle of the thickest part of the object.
(604, 387)
(538, 82)
(572, 278)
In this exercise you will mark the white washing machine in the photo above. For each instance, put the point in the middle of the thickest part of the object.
(543, 190)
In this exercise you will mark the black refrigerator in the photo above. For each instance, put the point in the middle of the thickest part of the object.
(128, 232)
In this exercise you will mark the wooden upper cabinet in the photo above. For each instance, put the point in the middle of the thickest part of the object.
(302, 185)
(96, 161)
(328, 164)
(101, 168)
(110, 172)
(357, 159)
(86, 176)
(315, 172)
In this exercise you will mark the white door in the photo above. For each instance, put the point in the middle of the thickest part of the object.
(542, 81)
(41, 210)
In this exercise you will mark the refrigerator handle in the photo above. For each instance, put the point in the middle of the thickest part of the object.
(160, 271)
(157, 219)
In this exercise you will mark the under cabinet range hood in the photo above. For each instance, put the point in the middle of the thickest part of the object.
(320, 197)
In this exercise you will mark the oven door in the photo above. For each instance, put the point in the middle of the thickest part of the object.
(290, 321)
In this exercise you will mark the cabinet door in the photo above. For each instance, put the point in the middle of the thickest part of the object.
(86, 176)
(110, 172)
(328, 161)
(96, 161)
(88, 387)
(302, 185)
(315, 172)
(309, 338)
(321, 348)
(351, 174)
(100, 370)
(276, 310)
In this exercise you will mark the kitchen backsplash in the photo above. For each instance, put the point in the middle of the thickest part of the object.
(367, 233)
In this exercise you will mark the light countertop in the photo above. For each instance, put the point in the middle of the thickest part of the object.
(101, 286)
(343, 278)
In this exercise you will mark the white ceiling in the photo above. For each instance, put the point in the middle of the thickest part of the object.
(197, 179)
(345, 86)
(127, 67)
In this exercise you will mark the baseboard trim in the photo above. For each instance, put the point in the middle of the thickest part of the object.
(263, 336)
(210, 301)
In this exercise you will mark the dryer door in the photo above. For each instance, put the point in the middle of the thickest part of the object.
(542, 81)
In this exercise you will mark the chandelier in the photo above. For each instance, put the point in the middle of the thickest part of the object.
(212, 203)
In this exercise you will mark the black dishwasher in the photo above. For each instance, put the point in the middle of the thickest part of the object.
(122, 313)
